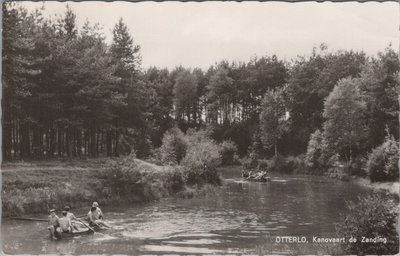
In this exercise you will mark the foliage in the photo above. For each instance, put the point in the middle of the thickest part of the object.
(185, 95)
(273, 120)
(372, 216)
(201, 160)
(70, 92)
(123, 176)
(38, 187)
(124, 51)
(278, 164)
(344, 111)
(228, 151)
(380, 86)
(135, 140)
(249, 162)
(319, 155)
(311, 80)
(383, 162)
(174, 147)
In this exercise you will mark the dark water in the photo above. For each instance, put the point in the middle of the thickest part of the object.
(241, 218)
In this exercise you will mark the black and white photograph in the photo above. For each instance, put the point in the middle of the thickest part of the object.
(200, 128)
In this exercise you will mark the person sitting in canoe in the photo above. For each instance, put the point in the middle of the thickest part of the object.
(71, 216)
(53, 224)
(98, 213)
(93, 218)
(65, 223)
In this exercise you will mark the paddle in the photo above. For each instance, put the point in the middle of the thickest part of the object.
(36, 219)
(88, 227)
(28, 219)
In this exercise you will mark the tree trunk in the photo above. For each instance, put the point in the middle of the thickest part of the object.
(79, 143)
(97, 143)
(109, 143)
(116, 142)
(276, 150)
(35, 142)
(7, 139)
(25, 141)
(102, 142)
(86, 139)
(59, 142)
(52, 143)
(92, 142)
(15, 138)
(69, 142)
(74, 153)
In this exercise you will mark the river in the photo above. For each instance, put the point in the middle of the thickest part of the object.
(241, 217)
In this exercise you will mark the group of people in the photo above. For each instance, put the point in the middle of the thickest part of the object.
(68, 222)
(255, 175)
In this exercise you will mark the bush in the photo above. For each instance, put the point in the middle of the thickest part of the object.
(236, 159)
(136, 180)
(201, 161)
(122, 176)
(250, 162)
(284, 164)
(318, 155)
(373, 216)
(383, 162)
(278, 164)
(297, 164)
(155, 157)
(173, 148)
(158, 184)
(262, 164)
(357, 167)
(228, 152)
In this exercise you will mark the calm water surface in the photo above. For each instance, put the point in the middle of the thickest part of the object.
(239, 219)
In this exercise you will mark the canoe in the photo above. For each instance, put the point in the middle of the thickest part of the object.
(255, 176)
(80, 232)
(75, 233)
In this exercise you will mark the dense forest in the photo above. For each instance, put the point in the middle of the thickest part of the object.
(67, 93)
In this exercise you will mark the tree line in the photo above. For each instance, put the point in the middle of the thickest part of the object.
(68, 93)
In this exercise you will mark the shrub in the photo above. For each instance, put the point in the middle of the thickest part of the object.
(228, 151)
(357, 166)
(317, 156)
(373, 216)
(250, 162)
(155, 157)
(278, 164)
(383, 161)
(201, 162)
(262, 164)
(236, 159)
(158, 184)
(122, 176)
(173, 148)
(297, 163)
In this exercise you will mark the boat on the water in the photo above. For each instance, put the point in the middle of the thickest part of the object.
(256, 176)
(81, 231)
(75, 233)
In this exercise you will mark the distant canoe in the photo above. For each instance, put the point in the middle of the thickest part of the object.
(255, 177)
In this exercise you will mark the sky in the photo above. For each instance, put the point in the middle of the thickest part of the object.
(199, 34)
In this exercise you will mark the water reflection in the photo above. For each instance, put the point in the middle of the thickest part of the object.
(242, 217)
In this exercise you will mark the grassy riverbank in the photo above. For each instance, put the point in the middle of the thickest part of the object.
(36, 186)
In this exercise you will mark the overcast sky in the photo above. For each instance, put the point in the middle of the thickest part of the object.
(199, 34)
